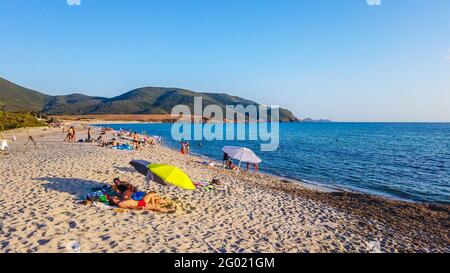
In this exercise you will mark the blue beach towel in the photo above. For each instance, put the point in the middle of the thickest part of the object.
(123, 147)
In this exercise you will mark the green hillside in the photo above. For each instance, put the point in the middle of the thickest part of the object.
(147, 100)
(15, 98)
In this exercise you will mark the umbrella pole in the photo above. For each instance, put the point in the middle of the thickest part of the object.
(239, 167)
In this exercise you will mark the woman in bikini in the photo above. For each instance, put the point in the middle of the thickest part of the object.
(151, 201)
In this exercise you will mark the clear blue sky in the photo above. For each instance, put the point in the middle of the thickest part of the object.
(337, 59)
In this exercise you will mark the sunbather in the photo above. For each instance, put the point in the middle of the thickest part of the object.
(151, 201)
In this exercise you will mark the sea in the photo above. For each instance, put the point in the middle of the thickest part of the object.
(406, 161)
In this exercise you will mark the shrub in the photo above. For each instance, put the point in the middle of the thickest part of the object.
(10, 121)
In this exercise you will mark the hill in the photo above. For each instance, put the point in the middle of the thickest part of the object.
(146, 100)
(15, 98)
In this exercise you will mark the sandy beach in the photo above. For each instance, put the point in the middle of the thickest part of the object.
(257, 212)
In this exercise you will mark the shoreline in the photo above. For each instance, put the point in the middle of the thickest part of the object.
(306, 184)
(260, 213)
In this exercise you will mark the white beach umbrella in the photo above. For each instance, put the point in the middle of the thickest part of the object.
(242, 154)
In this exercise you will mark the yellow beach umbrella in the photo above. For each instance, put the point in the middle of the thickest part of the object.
(173, 175)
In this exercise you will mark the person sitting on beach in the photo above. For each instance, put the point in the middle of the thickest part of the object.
(231, 166)
(99, 140)
(123, 188)
(115, 143)
(112, 143)
(150, 141)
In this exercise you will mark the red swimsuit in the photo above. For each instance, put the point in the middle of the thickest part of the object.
(141, 203)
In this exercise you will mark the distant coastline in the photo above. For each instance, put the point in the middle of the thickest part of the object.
(164, 118)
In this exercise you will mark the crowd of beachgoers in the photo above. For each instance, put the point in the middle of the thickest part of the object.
(79, 193)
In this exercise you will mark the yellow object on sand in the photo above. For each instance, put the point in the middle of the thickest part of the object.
(172, 175)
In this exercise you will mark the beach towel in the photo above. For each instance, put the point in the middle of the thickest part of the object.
(123, 147)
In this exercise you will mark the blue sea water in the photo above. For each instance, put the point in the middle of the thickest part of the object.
(409, 161)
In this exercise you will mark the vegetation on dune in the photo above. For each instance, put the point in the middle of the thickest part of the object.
(10, 121)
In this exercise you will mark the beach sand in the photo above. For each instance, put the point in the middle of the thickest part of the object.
(258, 213)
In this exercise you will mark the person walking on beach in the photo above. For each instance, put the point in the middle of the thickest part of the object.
(72, 134)
(69, 135)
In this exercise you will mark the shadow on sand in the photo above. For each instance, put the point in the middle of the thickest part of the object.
(74, 186)
(126, 169)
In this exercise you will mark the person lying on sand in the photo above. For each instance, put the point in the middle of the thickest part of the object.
(151, 201)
